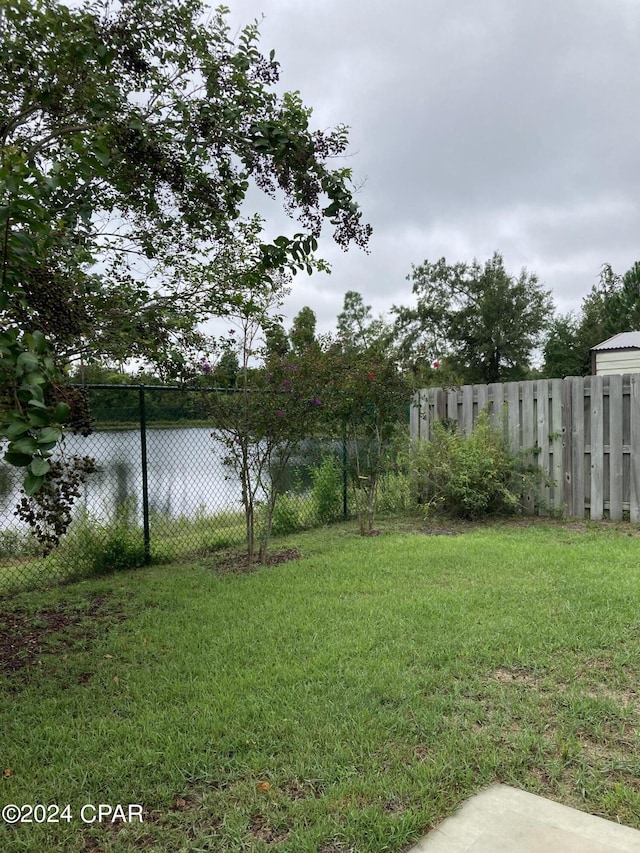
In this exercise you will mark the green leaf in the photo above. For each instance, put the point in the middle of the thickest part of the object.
(14, 430)
(24, 240)
(32, 483)
(27, 445)
(44, 446)
(39, 466)
(49, 435)
(61, 413)
(27, 360)
(18, 460)
(35, 403)
(38, 418)
(40, 342)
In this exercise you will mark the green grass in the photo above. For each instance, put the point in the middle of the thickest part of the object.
(93, 547)
(374, 685)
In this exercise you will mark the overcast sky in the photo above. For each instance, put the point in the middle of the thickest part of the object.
(476, 125)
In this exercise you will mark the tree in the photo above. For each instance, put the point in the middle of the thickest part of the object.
(366, 397)
(486, 322)
(357, 329)
(276, 340)
(611, 306)
(132, 136)
(303, 331)
(563, 355)
(272, 410)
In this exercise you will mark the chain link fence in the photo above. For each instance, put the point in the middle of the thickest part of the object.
(157, 489)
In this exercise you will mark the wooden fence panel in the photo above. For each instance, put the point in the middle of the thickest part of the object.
(452, 405)
(440, 404)
(556, 471)
(577, 445)
(596, 449)
(634, 496)
(616, 457)
(424, 414)
(467, 410)
(482, 397)
(586, 431)
(513, 416)
(542, 441)
(529, 433)
(496, 404)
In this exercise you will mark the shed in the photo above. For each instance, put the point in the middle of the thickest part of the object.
(619, 354)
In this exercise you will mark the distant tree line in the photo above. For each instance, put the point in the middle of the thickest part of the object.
(476, 323)
(470, 323)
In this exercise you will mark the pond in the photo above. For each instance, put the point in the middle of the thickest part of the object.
(185, 471)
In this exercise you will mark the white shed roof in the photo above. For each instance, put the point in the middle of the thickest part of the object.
(625, 340)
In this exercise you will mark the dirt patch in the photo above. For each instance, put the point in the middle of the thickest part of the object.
(514, 676)
(624, 698)
(297, 789)
(261, 829)
(198, 789)
(421, 752)
(442, 531)
(24, 637)
(394, 806)
(238, 564)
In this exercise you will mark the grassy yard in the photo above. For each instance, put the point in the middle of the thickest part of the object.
(344, 701)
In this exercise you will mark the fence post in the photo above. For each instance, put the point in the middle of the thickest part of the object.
(145, 483)
(345, 510)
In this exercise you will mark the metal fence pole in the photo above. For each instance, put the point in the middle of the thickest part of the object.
(145, 484)
(345, 510)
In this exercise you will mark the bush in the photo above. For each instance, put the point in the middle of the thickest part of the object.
(471, 477)
(286, 515)
(326, 492)
(96, 549)
(395, 492)
(18, 543)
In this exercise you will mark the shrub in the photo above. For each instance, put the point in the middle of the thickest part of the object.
(96, 549)
(286, 514)
(326, 493)
(18, 543)
(471, 477)
(396, 493)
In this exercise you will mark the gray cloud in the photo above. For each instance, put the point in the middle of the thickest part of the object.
(476, 125)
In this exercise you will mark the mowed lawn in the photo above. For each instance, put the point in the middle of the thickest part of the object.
(345, 701)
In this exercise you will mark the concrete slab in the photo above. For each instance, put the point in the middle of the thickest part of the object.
(502, 819)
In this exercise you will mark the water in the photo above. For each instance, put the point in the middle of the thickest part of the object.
(186, 474)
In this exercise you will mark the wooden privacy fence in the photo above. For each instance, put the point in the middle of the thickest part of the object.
(585, 431)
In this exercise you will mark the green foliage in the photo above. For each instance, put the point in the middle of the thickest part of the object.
(291, 513)
(484, 321)
(135, 131)
(101, 548)
(29, 423)
(327, 490)
(357, 329)
(611, 306)
(15, 543)
(261, 425)
(564, 354)
(397, 492)
(368, 398)
(303, 331)
(470, 477)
